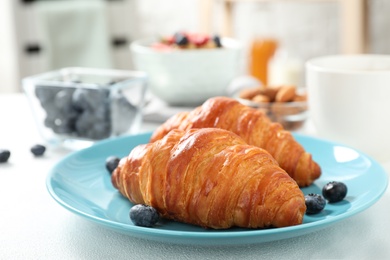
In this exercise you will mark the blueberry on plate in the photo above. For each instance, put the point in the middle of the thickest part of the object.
(334, 191)
(144, 215)
(4, 155)
(111, 163)
(38, 150)
(315, 203)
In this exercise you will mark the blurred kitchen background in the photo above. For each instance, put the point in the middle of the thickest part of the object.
(38, 36)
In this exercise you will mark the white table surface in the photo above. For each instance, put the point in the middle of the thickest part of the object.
(34, 226)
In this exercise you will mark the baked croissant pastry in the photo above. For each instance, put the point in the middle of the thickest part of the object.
(210, 177)
(254, 127)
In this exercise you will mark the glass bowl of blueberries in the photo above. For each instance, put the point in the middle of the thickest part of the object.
(74, 107)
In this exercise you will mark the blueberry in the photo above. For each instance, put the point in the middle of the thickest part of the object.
(50, 107)
(4, 155)
(81, 112)
(102, 112)
(84, 123)
(90, 126)
(217, 41)
(181, 39)
(63, 97)
(94, 118)
(89, 98)
(64, 125)
(80, 99)
(46, 94)
(57, 103)
(334, 191)
(111, 163)
(63, 101)
(144, 215)
(38, 150)
(59, 122)
(100, 130)
(315, 203)
(61, 118)
(98, 97)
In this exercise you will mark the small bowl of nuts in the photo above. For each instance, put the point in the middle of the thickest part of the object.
(74, 107)
(285, 104)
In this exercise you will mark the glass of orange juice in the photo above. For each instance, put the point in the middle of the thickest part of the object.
(261, 52)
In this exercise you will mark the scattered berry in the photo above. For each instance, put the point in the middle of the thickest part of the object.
(4, 155)
(161, 46)
(38, 150)
(315, 203)
(181, 39)
(198, 39)
(217, 41)
(169, 40)
(334, 191)
(144, 215)
(111, 163)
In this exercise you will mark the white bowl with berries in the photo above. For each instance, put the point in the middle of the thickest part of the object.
(187, 69)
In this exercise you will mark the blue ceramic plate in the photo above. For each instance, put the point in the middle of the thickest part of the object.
(81, 184)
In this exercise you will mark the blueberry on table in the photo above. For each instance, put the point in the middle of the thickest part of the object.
(144, 215)
(38, 150)
(315, 203)
(334, 191)
(111, 163)
(4, 155)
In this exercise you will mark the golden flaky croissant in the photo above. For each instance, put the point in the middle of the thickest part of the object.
(210, 177)
(255, 128)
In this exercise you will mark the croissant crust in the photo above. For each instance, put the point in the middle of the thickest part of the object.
(210, 177)
(254, 127)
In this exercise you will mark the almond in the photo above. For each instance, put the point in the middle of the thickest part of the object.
(250, 93)
(261, 99)
(285, 94)
(299, 98)
(271, 92)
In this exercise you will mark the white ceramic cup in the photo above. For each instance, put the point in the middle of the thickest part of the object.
(349, 101)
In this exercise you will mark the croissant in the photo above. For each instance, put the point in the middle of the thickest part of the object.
(211, 178)
(254, 127)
